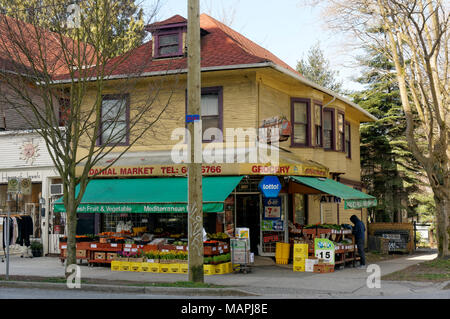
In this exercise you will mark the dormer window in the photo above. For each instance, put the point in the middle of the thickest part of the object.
(168, 44)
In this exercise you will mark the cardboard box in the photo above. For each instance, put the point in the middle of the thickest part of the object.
(111, 256)
(309, 264)
(81, 253)
(100, 256)
(323, 268)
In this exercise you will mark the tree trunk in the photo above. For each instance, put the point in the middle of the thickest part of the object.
(442, 223)
(71, 228)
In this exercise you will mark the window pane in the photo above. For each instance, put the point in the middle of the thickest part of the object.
(347, 132)
(210, 104)
(114, 110)
(114, 121)
(327, 138)
(208, 122)
(300, 209)
(317, 114)
(300, 113)
(318, 135)
(341, 122)
(173, 49)
(170, 39)
(114, 132)
(327, 120)
(300, 133)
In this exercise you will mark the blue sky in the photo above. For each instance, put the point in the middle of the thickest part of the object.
(285, 27)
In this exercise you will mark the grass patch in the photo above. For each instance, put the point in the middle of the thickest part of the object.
(436, 270)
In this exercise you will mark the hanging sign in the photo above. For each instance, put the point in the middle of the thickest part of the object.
(270, 186)
(324, 249)
(13, 185)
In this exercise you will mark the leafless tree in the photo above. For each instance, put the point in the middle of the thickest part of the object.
(68, 88)
(414, 35)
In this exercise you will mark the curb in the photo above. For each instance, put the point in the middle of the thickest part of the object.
(133, 289)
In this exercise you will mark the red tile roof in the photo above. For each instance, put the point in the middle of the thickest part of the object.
(173, 20)
(25, 48)
(220, 47)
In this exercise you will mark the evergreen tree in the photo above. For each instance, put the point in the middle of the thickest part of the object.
(388, 168)
(126, 33)
(317, 69)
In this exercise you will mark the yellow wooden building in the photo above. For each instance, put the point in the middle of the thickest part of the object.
(244, 87)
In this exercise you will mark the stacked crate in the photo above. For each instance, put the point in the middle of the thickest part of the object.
(300, 254)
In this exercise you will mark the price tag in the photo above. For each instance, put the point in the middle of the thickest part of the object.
(113, 245)
(324, 249)
(93, 245)
(180, 247)
(126, 249)
(64, 247)
(134, 250)
(128, 245)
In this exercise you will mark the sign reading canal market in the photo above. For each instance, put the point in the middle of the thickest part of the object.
(207, 169)
(270, 186)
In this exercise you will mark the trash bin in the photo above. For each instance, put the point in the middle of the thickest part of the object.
(282, 253)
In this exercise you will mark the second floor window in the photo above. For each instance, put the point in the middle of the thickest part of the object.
(114, 125)
(318, 124)
(348, 140)
(341, 133)
(328, 129)
(300, 122)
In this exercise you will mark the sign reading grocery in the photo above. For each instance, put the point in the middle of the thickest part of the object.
(207, 169)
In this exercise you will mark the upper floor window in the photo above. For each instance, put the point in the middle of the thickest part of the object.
(64, 111)
(211, 113)
(341, 133)
(318, 124)
(168, 44)
(114, 120)
(300, 122)
(328, 129)
(348, 140)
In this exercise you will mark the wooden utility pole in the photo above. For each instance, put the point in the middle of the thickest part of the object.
(195, 196)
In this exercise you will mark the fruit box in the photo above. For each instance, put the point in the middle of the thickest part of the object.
(135, 266)
(323, 268)
(100, 256)
(125, 266)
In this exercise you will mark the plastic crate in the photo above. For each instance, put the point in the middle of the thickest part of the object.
(174, 268)
(209, 269)
(116, 265)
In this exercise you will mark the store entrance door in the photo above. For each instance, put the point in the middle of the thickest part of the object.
(247, 215)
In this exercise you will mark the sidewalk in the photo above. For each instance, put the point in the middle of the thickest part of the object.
(266, 280)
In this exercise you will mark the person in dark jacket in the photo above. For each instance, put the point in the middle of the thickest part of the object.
(359, 232)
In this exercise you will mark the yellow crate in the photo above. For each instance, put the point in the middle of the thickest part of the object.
(154, 267)
(184, 268)
(174, 268)
(299, 259)
(228, 267)
(164, 268)
(220, 269)
(125, 266)
(300, 249)
(115, 265)
(299, 268)
(209, 269)
(282, 261)
(135, 266)
(145, 267)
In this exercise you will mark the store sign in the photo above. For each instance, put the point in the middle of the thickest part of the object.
(324, 249)
(138, 208)
(17, 185)
(272, 225)
(272, 208)
(360, 203)
(270, 186)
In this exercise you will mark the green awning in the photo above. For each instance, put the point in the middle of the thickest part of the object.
(354, 199)
(151, 195)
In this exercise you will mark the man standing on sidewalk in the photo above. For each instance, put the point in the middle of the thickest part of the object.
(359, 233)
